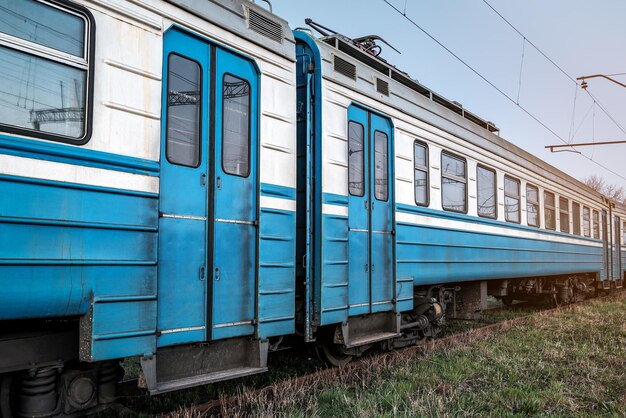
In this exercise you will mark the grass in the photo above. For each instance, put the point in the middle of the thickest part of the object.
(569, 364)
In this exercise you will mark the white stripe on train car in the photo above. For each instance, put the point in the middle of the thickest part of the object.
(489, 229)
(334, 210)
(76, 174)
(278, 203)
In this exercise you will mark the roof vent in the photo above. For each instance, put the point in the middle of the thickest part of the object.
(344, 67)
(265, 26)
(382, 86)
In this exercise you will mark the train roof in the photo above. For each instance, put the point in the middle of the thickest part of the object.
(246, 19)
(431, 107)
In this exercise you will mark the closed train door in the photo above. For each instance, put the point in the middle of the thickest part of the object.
(208, 193)
(617, 248)
(234, 236)
(371, 281)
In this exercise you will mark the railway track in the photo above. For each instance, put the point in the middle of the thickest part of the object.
(313, 381)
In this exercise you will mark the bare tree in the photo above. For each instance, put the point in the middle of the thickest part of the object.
(612, 191)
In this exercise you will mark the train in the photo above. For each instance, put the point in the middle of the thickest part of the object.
(193, 183)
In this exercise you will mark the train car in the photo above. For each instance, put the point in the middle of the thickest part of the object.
(414, 204)
(147, 175)
(618, 244)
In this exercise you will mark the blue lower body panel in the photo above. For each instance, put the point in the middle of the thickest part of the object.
(75, 250)
(431, 254)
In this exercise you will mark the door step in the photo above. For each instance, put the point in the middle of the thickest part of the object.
(206, 379)
(184, 366)
(369, 329)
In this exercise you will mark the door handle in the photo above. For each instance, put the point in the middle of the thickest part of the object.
(202, 273)
(365, 202)
(217, 274)
(367, 268)
(203, 179)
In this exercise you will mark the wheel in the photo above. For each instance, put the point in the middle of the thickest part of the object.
(507, 300)
(333, 355)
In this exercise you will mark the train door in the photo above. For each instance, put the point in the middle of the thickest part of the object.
(208, 193)
(607, 245)
(233, 295)
(184, 189)
(370, 213)
(617, 249)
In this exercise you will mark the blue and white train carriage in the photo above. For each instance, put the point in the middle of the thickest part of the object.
(414, 198)
(147, 175)
(188, 181)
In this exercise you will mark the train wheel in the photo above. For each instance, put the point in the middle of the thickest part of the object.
(333, 354)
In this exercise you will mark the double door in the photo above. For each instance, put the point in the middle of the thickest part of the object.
(371, 280)
(208, 193)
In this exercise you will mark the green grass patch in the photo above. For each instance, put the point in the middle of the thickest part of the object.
(572, 363)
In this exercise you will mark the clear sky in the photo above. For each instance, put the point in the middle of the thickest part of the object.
(583, 37)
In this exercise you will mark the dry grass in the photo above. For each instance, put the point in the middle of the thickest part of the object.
(569, 364)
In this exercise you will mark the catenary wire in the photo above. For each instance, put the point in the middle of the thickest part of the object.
(532, 116)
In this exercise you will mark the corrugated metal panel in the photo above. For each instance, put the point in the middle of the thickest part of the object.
(382, 86)
(344, 67)
(265, 26)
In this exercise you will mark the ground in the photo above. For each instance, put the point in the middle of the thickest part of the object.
(572, 363)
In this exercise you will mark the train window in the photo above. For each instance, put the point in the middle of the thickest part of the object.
(486, 197)
(564, 215)
(549, 210)
(381, 189)
(235, 126)
(511, 199)
(532, 205)
(586, 221)
(596, 224)
(453, 182)
(420, 155)
(183, 111)
(356, 180)
(44, 83)
(624, 233)
(576, 218)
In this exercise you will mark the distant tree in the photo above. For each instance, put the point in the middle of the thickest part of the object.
(612, 191)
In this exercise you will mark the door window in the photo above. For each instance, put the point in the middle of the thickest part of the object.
(381, 188)
(356, 178)
(183, 111)
(236, 126)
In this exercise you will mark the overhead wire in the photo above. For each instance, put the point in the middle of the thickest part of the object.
(507, 96)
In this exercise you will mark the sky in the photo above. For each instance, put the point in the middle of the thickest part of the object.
(582, 37)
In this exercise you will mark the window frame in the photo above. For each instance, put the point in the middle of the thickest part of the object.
(519, 198)
(363, 151)
(458, 179)
(86, 63)
(387, 165)
(576, 219)
(584, 233)
(623, 232)
(249, 171)
(561, 211)
(538, 203)
(167, 111)
(546, 208)
(425, 170)
(595, 215)
(495, 190)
